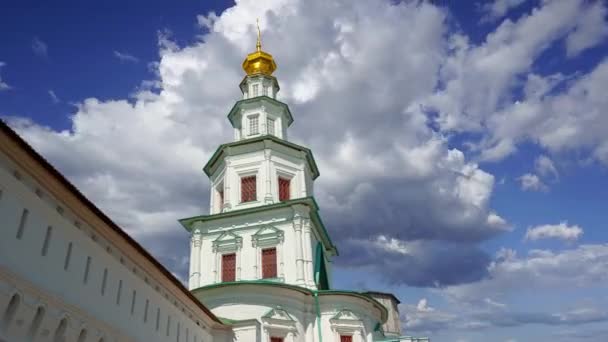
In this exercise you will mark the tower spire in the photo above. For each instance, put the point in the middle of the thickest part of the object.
(259, 62)
(258, 45)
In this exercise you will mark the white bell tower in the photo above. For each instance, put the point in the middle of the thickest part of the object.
(263, 223)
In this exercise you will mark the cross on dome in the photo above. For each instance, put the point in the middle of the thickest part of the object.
(259, 62)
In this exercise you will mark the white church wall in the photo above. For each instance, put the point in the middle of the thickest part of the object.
(66, 259)
(248, 256)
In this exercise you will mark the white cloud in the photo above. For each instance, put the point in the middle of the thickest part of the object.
(355, 55)
(479, 85)
(125, 57)
(499, 8)
(591, 30)
(585, 266)
(3, 85)
(39, 47)
(531, 182)
(53, 96)
(544, 166)
(561, 231)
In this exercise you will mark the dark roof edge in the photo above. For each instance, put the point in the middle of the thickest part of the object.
(71, 188)
(372, 293)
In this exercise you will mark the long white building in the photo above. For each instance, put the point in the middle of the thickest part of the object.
(260, 266)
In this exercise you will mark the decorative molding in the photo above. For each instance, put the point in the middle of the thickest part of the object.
(267, 236)
(278, 313)
(227, 241)
(278, 322)
(346, 322)
(196, 238)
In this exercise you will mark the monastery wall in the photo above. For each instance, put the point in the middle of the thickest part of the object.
(64, 279)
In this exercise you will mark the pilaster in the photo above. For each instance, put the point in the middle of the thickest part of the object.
(297, 226)
(268, 197)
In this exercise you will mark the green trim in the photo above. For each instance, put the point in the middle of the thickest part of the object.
(320, 272)
(221, 150)
(188, 223)
(262, 282)
(240, 103)
(316, 294)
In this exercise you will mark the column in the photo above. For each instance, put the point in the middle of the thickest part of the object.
(297, 225)
(302, 183)
(308, 267)
(268, 197)
(195, 259)
(227, 183)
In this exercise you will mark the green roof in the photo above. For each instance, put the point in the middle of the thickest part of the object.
(268, 141)
(187, 223)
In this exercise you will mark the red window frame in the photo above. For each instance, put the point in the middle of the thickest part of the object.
(284, 189)
(269, 263)
(346, 338)
(229, 267)
(248, 189)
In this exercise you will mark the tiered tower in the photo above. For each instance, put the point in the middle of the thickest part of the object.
(264, 221)
(261, 258)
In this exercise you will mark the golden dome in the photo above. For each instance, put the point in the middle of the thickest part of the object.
(259, 62)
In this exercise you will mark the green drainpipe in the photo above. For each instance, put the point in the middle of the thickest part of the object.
(316, 294)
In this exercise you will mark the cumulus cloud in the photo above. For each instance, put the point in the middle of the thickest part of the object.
(561, 231)
(510, 274)
(39, 47)
(544, 166)
(361, 84)
(480, 85)
(481, 305)
(590, 31)
(125, 57)
(340, 65)
(3, 85)
(499, 8)
(531, 182)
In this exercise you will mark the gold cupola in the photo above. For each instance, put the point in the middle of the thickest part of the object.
(259, 62)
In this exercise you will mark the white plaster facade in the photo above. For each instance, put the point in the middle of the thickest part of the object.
(66, 275)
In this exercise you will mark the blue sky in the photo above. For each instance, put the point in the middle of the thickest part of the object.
(473, 135)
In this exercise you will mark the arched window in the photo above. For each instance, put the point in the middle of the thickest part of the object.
(59, 335)
(82, 336)
(36, 322)
(11, 310)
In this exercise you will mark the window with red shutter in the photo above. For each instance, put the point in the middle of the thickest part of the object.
(248, 189)
(228, 267)
(346, 338)
(276, 339)
(269, 263)
(284, 194)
